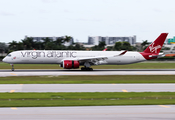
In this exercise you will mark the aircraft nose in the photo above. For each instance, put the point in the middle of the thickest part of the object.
(4, 60)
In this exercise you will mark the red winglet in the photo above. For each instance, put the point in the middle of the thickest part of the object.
(105, 49)
(123, 53)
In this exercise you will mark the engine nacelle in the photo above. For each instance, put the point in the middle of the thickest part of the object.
(69, 64)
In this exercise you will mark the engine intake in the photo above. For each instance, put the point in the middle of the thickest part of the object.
(69, 64)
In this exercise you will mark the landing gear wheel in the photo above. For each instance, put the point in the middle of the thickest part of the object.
(82, 68)
(86, 69)
(13, 68)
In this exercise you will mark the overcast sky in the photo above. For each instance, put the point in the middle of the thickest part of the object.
(82, 18)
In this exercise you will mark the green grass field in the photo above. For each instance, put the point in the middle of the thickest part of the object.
(90, 79)
(85, 99)
(145, 65)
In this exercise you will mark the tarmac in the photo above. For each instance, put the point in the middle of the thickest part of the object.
(55, 72)
(140, 112)
(87, 88)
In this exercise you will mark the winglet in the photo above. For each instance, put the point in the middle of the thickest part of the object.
(121, 53)
(105, 49)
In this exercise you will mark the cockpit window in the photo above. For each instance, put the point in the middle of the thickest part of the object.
(9, 55)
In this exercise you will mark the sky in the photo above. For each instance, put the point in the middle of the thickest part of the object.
(82, 18)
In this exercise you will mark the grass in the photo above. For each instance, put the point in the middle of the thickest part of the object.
(89, 79)
(147, 65)
(85, 99)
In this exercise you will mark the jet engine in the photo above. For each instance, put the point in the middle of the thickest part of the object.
(69, 64)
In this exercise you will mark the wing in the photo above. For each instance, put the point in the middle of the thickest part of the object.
(98, 58)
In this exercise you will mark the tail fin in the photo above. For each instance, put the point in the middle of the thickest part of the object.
(156, 46)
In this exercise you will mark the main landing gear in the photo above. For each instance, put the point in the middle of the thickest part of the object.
(86, 69)
(12, 67)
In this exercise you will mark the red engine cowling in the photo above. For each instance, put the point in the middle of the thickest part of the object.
(69, 64)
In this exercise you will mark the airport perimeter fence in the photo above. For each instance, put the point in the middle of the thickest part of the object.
(135, 98)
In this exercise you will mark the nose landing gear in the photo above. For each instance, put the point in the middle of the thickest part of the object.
(12, 67)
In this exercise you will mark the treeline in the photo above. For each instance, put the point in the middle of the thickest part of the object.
(46, 44)
(3, 47)
(118, 46)
(49, 44)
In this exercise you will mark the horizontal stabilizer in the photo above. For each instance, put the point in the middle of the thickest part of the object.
(158, 56)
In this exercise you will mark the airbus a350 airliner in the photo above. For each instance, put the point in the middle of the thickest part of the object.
(73, 59)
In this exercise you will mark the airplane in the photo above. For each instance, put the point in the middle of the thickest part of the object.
(69, 59)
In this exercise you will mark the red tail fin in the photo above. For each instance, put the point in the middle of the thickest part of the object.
(156, 46)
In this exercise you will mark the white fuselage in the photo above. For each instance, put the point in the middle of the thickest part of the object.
(57, 56)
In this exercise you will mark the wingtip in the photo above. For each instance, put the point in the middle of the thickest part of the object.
(165, 33)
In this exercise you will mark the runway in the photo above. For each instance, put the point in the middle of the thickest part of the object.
(87, 87)
(34, 72)
(143, 112)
